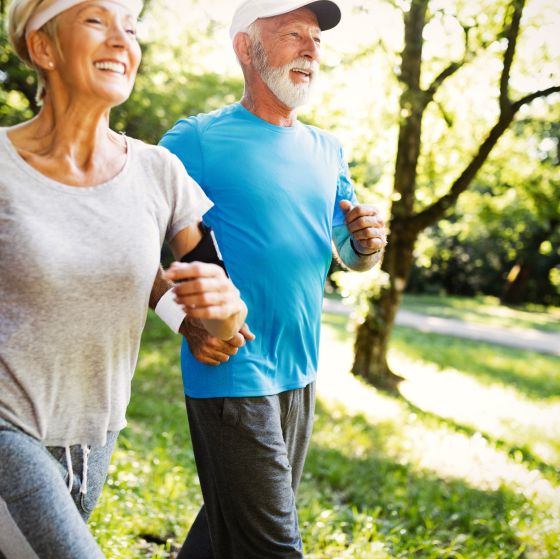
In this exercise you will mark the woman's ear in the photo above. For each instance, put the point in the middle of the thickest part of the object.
(41, 50)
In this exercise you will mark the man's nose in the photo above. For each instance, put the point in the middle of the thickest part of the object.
(311, 49)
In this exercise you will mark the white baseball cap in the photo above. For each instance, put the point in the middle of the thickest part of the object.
(327, 12)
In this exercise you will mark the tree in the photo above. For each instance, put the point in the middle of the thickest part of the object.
(503, 236)
(406, 221)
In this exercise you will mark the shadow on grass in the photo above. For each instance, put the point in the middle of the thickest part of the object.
(534, 374)
(370, 497)
(515, 452)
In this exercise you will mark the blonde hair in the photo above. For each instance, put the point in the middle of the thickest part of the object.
(18, 16)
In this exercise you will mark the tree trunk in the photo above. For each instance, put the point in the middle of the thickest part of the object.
(372, 337)
(513, 292)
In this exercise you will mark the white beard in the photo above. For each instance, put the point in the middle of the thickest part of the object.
(278, 80)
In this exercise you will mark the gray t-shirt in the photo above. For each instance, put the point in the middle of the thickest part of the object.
(76, 270)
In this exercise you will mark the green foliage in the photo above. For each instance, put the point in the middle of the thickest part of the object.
(512, 214)
(368, 502)
(17, 84)
(366, 492)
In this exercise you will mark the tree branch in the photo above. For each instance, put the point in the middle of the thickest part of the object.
(437, 210)
(535, 95)
(391, 3)
(439, 79)
(507, 113)
(511, 34)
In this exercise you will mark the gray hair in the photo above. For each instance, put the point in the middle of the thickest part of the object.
(19, 15)
(254, 31)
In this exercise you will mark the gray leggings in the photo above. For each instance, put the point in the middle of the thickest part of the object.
(40, 517)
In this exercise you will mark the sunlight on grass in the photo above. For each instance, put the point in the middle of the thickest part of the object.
(500, 412)
(535, 375)
(449, 425)
(485, 310)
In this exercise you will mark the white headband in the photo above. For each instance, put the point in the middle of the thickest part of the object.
(40, 17)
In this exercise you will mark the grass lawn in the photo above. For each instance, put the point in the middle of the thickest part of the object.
(465, 464)
(485, 310)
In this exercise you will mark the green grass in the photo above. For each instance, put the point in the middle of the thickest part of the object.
(485, 310)
(386, 477)
(535, 374)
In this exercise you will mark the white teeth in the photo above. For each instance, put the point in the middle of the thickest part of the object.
(304, 72)
(111, 66)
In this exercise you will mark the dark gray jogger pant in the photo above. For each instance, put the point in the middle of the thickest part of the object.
(250, 454)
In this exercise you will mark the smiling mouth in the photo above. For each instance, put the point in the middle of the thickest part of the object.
(116, 67)
(302, 72)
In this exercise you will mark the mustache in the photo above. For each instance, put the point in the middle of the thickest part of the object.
(303, 64)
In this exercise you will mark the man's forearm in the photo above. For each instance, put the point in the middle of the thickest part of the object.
(226, 329)
(347, 254)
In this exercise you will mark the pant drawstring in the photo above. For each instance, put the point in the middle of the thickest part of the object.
(85, 454)
(69, 467)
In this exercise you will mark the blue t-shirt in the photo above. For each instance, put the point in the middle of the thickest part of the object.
(276, 192)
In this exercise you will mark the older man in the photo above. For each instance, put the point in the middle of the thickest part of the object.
(282, 193)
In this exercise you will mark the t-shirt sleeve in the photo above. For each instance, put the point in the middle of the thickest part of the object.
(189, 202)
(344, 189)
(192, 203)
(183, 141)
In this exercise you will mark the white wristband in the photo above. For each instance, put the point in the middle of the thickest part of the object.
(170, 312)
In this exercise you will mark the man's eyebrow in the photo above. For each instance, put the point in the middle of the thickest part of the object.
(287, 26)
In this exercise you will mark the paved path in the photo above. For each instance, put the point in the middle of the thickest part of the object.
(536, 340)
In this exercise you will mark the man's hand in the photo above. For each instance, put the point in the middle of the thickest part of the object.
(366, 227)
(208, 349)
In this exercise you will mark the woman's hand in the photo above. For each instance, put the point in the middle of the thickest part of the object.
(205, 292)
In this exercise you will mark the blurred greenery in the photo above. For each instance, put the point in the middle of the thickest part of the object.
(510, 216)
(392, 478)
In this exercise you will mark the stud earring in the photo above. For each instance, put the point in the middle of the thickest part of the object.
(51, 65)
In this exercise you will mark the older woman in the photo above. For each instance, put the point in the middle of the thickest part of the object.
(83, 214)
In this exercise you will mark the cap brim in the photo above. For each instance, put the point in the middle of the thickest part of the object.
(327, 12)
